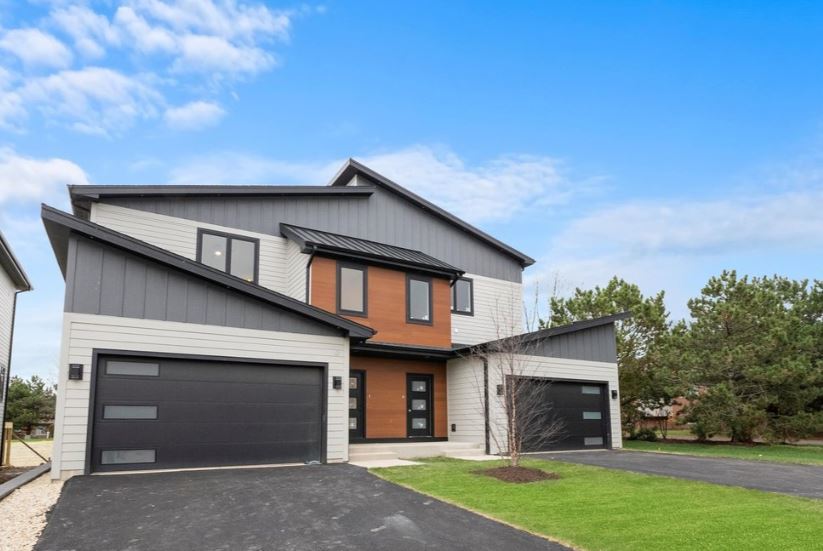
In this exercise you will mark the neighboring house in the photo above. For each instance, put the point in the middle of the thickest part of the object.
(228, 325)
(13, 280)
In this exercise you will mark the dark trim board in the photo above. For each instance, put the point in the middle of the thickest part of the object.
(95, 366)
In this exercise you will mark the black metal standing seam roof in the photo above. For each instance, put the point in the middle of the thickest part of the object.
(12, 267)
(54, 219)
(316, 240)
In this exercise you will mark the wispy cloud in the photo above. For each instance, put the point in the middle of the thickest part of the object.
(194, 116)
(182, 44)
(493, 190)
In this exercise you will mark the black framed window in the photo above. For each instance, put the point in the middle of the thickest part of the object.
(352, 289)
(418, 299)
(463, 296)
(233, 254)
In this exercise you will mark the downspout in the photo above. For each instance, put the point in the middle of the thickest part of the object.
(486, 402)
(308, 271)
(8, 374)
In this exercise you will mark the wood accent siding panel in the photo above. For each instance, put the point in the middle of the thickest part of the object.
(386, 305)
(498, 311)
(386, 407)
(82, 333)
(179, 235)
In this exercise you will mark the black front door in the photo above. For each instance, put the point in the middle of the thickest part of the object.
(419, 401)
(357, 429)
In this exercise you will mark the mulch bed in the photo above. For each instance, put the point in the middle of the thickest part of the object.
(518, 475)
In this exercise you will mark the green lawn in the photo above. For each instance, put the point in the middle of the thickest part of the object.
(594, 508)
(807, 455)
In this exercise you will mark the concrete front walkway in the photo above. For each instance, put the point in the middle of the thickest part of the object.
(286, 508)
(795, 480)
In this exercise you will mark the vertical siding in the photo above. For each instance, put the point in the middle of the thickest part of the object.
(596, 344)
(383, 217)
(7, 290)
(82, 333)
(104, 280)
(179, 235)
(498, 312)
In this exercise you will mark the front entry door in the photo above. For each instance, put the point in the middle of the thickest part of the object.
(419, 401)
(357, 430)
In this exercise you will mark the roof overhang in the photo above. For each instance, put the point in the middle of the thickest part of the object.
(536, 336)
(13, 267)
(351, 248)
(60, 225)
(401, 351)
(353, 168)
(83, 195)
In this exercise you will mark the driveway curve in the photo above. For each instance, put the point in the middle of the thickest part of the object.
(794, 480)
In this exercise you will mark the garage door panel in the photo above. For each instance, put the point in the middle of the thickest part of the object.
(571, 403)
(208, 414)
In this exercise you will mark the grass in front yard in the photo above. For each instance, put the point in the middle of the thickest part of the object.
(806, 455)
(595, 508)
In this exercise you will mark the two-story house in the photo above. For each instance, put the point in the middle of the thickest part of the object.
(13, 280)
(239, 325)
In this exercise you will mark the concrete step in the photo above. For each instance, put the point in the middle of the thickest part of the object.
(371, 455)
(411, 450)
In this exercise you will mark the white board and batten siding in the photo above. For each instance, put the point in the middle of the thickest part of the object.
(465, 391)
(7, 292)
(282, 266)
(83, 333)
(498, 312)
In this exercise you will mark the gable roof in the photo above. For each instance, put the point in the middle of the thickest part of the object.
(13, 267)
(353, 168)
(542, 334)
(311, 240)
(60, 224)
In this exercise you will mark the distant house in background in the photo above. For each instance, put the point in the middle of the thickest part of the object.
(13, 280)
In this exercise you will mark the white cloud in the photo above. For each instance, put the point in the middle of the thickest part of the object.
(194, 116)
(36, 48)
(216, 55)
(29, 179)
(145, 38)
(489, 191)
(93, 100)
(91, 32)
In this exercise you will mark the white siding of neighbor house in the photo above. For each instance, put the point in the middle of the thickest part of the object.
(465, 386)
(7, 291)
(179, 235)
(498, 312)
(82, 333)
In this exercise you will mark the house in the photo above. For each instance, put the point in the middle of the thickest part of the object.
(231, 325)
(13, 280)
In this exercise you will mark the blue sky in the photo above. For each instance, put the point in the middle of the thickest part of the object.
(658, 141)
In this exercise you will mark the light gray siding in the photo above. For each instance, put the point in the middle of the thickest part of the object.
(383, 217)
(498, 312)
(104, 280)
(7, 291)
(595, 345)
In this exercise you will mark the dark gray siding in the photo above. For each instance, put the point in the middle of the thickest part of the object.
(596, 344)
(104, 280)
(383, 217)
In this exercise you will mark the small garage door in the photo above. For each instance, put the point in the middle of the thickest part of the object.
(581, 408)
(152, 413)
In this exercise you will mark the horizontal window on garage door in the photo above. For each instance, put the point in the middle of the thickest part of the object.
(121, 457)
(138, 369)
(591, 415)
(114, 411)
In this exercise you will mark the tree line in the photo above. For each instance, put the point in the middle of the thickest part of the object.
(749, 360)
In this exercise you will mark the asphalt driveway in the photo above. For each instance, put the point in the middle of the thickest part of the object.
(313, 507)
(795, 480)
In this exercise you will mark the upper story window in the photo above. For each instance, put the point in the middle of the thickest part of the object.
(352, 289)
(233, 254)
(418, 299)
(463, 297)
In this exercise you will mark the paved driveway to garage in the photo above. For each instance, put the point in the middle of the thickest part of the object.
(796, 480)
(307, 508)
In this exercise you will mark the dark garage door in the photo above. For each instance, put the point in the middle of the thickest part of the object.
(581, 408)
(153, 413)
